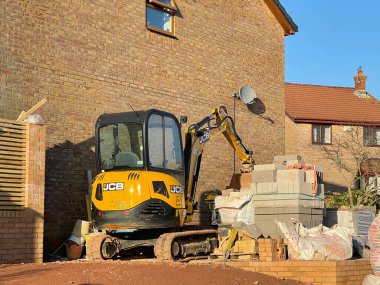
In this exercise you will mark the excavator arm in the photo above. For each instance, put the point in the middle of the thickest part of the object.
(196, 138)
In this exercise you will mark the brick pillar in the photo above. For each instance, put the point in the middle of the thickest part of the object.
(35, 185)
(21, 230)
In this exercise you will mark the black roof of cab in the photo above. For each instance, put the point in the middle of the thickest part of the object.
(128, 117)
(125, 117)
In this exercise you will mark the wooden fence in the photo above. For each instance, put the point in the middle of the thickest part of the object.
(12, 165)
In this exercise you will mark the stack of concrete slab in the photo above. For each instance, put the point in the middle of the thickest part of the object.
(358, 221)
(285, 190)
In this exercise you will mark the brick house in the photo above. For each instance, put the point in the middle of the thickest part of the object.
(316, 114)
(92, 57)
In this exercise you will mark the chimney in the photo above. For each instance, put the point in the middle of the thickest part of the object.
(360, 80)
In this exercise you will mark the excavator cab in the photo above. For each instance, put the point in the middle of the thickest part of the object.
(144, 140)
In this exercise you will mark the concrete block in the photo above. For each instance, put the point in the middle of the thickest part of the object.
(310, 176)
(261, 176)
(316, 211)
(297, 175)
(240, 181)
(283, 210)
(262, 167)
(294, 162)
(251, 191)
(269, 188)
(287, 200)
(295, 187)
(288, 157)
(226, 192)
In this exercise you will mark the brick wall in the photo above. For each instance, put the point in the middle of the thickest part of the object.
(21, 232)
(92, 57)
(298, 140)
(346, 272)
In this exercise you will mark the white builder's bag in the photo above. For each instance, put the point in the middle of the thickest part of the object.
(331, 244)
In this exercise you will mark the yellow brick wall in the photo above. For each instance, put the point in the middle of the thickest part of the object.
(347, 272)
(92, 57)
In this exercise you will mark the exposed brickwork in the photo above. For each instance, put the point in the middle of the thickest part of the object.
(347, 272)
(271, 249)
(21, 232)
(88, 58)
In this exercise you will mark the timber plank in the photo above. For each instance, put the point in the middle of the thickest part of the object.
(11, 185)
(11, 208)
(11, 166)
(14, 162)
(22, 149)
(17, 140)
(12, 144)
(5, 189)
(11, 122)
(15, 153)
(9, 130)
(12, 135)
(12, 158)
(14, 171)
(11, 175)
(12, 180)
(12, 198)
(15, 194)
(12, 126)
(13, 203)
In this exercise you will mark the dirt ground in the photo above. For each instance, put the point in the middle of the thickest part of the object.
(136, 272)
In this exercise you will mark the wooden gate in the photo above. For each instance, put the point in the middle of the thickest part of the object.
(12, 165)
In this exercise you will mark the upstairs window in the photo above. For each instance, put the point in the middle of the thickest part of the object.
(160, 16)
(371, 136)
(321, 134)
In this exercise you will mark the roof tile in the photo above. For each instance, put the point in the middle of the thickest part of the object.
(329, 104)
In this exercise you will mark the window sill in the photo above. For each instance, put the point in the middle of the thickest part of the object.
(162, 32)
(319, 143)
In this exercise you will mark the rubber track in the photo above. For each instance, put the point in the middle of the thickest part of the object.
(162, 248)
(93, 248)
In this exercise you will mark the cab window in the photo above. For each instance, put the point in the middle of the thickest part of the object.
(121, 146)
(164, 142)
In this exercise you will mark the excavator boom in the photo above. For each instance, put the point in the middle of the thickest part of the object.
(197, 136)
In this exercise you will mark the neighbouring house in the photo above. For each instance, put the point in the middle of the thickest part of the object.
(92, 57)
(316, 114)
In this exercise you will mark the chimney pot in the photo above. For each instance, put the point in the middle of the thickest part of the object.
(360, 80)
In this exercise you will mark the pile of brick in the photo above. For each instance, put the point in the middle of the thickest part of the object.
(242, 247)
(271, 249)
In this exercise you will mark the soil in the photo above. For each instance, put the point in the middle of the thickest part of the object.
(136, 272)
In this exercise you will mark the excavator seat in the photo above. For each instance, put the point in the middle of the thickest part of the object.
(126, 159)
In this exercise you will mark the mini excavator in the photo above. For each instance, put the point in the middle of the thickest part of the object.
(144, 192)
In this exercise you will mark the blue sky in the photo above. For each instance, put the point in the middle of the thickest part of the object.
(335, 37)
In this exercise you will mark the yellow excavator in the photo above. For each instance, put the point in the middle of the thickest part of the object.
(144, 192)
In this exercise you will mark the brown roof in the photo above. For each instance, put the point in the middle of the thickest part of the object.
(331, 105)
